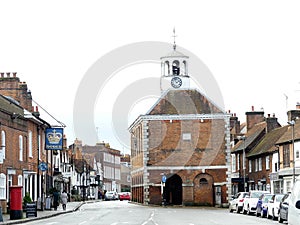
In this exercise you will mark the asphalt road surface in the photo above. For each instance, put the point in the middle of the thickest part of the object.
(123, 212)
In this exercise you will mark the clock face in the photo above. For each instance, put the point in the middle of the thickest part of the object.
(176, 82)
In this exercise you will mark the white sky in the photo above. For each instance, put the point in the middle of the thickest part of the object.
(251, 47)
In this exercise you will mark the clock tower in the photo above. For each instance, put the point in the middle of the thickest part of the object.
(174, 70)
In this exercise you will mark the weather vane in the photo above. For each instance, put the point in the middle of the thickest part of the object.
(174, 36)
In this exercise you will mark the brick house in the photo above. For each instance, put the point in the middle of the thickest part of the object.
(22, 140)
(180, 150)
(258, 145)
(289, 153)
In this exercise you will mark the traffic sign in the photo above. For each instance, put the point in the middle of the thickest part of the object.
(164, 179)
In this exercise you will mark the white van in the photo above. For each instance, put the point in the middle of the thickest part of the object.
(294, 204)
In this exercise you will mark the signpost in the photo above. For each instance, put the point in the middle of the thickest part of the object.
(31, 210)
(162, 184)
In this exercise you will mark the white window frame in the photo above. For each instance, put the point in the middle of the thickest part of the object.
(20, 147)
(20, 180)
(256, 165)
(30, 144)
(267, 162)
(250, 165)
(3, 140)
(233, 162)
(2, 186)
(259, 164)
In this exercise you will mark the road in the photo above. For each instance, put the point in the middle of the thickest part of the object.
(125, 213)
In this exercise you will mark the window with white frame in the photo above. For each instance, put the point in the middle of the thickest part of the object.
(267, 162)
(30, 144)
(259, 164)
(117, 174)
(233, 162)
(256, 165)
(3, 143)
(20, 180)
(250, 165)
(2, 186)
(21, 148)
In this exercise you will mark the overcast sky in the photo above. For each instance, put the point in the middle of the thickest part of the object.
(252, 48)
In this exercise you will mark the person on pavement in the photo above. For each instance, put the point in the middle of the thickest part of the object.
(64, 199)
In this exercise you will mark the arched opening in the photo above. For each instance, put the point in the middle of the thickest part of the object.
(203, 189)
(173, 190)
(185, 70)
(166, 68)
(175, 67)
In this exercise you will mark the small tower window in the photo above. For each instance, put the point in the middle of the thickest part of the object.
(166, 68)
(175, 67)
(185, 72)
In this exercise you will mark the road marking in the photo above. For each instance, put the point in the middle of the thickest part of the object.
(82, 222)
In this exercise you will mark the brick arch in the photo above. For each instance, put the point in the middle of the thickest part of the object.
(173, 190)
(203, 189)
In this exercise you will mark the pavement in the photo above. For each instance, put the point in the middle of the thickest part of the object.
(71, 207)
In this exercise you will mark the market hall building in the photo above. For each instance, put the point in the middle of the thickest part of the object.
(180, 149)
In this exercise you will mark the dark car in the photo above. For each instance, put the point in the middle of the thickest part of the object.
(262, 205)
(283, 208)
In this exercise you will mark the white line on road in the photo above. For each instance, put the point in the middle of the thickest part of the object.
(82, 222)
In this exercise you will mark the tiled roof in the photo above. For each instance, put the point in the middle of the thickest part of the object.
(251, 136)
(287, 136)
(268, 143)
(189, 101)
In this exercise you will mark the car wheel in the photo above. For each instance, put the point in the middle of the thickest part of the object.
(268, 215)
(244, 211)
(279, 218)
(238, 209)
(262, 214)
(273, 215)
(248, 211)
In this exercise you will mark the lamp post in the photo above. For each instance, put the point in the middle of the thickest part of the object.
(292, 124)
(244, 160)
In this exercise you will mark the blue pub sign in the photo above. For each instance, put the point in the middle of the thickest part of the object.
(54, 138)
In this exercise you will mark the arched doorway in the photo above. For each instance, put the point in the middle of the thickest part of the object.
(203, 189)
(173, 190)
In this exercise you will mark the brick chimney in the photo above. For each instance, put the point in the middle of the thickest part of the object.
(254, 117)
(272, 122)
(235, 124)
(294, 114)
(12, 86)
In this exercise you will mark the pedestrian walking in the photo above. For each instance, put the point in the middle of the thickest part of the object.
(55, 199)
(64, 200)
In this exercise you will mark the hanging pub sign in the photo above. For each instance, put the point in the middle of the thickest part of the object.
(54, 138)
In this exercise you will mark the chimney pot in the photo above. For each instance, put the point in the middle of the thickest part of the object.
(14, 74)
(36, 108)
(269, 115)
(252, 107)
(298, 105)
(2, 74)
(8, 74)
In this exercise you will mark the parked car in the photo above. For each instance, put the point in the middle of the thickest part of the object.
(294, 204)
(124, 196)
(273, 206)
(111, 195)
(262, 205)
(237, 202)
(284, 208)
(250, 201)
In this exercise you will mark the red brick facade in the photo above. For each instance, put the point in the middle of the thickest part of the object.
(189, 149)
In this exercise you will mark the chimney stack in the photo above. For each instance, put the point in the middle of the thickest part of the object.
(294, 114)
(272, 123)
(254, 117)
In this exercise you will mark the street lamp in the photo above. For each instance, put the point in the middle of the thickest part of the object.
(292, 124)
(244, 160)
